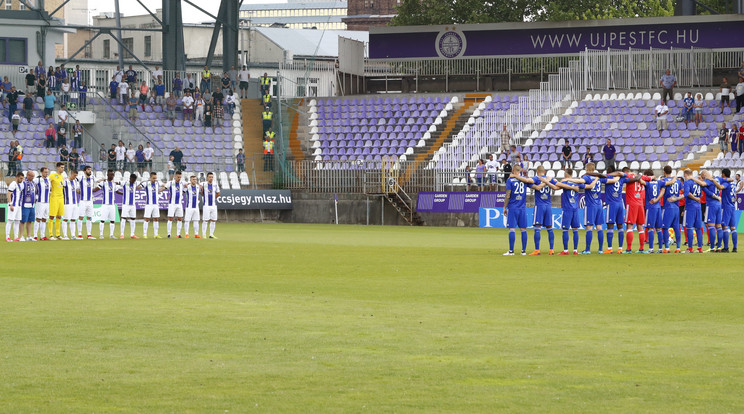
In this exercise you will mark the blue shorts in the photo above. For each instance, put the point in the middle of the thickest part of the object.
(713, 214)
(543, 216)
(616, 214)
(670, 217)
(28, 215)
(693, 217)
(517, 218)
(595, 216)
(730, 218)
(570, 219)
(653, 218)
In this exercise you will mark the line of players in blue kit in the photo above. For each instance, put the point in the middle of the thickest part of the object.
(657, 207)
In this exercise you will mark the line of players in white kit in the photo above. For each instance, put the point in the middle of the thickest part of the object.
(655, 206)
(76, 205)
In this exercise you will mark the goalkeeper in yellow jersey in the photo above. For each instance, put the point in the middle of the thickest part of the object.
(56, 201)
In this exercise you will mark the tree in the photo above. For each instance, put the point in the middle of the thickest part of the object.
(561, 10)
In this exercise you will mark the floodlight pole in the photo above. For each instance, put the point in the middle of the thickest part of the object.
(118, 32)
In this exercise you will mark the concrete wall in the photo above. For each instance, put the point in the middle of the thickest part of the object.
(23, 28)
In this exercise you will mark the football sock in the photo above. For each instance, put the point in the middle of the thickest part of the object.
(212, 225)
(132, 225)
(600, 238)
(170, 227)
(735, 239)
(36, 229)
(80, 227)
(50, 227)
(699, 233)
(186, 227)
(64, 229)
(610, 236)
(156, 228)
(726, 234)
(665, 237)
(689, 238)
(711, 230)
(620, 238)
(707, 232)
(17, 228)
(589, 236)
(719, 237)
(204, 228)
(660, 237)
(89, 225)
(650, 240)
(512, 238)
(576, 239)
(122, 227)
(8, 226)
(73, 226)
(100, 228)
(524, 240)
(42, 229)
(57, 226)
(145, 227)
(111, 228)
(179, 224)
(537, 238)
(551, 238)
(678, 236)
(642, 237)
(196, 227)
(629, 239)
(565, 240)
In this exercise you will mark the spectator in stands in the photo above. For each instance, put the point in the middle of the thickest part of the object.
(588, 157)
(131, 160)
(83, 95)
(177, 86)
(102, 156)
(132, 107)
(49, 101)
(143, 89)
(207, 95)
(240, 160)
(740, 136)
(514, 154)
(12, 98)
(28, 106)
(76, 78)
(12, 151)
(698, 109)
(30, 81)
(505, 139)
(506, 169)
(205, 79)
(188, 107)
(15, 121)
(131, 76)
(219, 118)
(245, 78)
(52, 82)
(480, 174)
(188, 84)
(661, 111)
(233, 74)
(609, 152)
(62, 116)
(153, 98)
(41, 85)
(121, 155)
(218, 97)
(83, 159)
(667, 83)
(199, 105)
(61, 135)
(492, 167)
(64, 155)
(208, 110)
(147, 152)
(5, 86)
(725, 92)
(160, 93)
(113, 88)
(230, 102)
(50, 134)
(740, 94)
(157, 74)
(723, 138)
(689, 104)
(74, 159)
(123, 93)
(566, 153)
(225, 82)
(741, 70)
(170, 106)
(171, 167)
(140, 156)
(77, 134)
(39, 70)
(118, 74)
(177, 157)
(111, 157)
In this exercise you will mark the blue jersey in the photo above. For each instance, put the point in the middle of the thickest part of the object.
(653, 189)
(728, 196)
(671, 191)
(710, 190)
(542, 197)
(518, 197)
(691, 187)
(570, 198)
(592, 197)
(614, 192)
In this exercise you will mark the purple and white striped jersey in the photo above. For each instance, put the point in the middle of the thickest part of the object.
(109, 188)
(175, 189)
(70, 192)
(86, 185)
(42, 189)
(210, 194)
(151, 192)
(129, 189)
(15, 194)
(192, 196)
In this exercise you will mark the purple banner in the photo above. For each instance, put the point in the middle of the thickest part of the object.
(458, 202)
(717, 32)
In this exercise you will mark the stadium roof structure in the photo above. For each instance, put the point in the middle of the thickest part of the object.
(295, 6)
(309, 42)
(259, 21)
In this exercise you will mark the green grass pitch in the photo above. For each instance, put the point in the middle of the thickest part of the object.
(318, 318)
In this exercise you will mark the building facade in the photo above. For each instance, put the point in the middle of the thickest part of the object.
(363, 14)
(306, 14)
(74, 12)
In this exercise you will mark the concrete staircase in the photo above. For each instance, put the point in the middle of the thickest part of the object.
(253, 143)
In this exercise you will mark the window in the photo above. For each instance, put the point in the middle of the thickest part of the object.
(21, 6)
(8, 5)
(148, 46)
(107, 48)
(12, 51)
(129, 44)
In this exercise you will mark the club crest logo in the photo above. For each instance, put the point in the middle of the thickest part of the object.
(450, 44)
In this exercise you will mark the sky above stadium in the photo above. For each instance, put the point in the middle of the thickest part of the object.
(190, 14)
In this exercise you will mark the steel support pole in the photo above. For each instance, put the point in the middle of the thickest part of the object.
(118, 33)
(173, 44)
(230, 34)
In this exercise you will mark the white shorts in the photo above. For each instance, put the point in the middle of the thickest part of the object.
(152, 211)
(108, 213)
(85, 209)
(16, 214)
(42, 210)
(175, 210)
(71, 212)
(192, 214)
(129, 211)
(210, 213)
